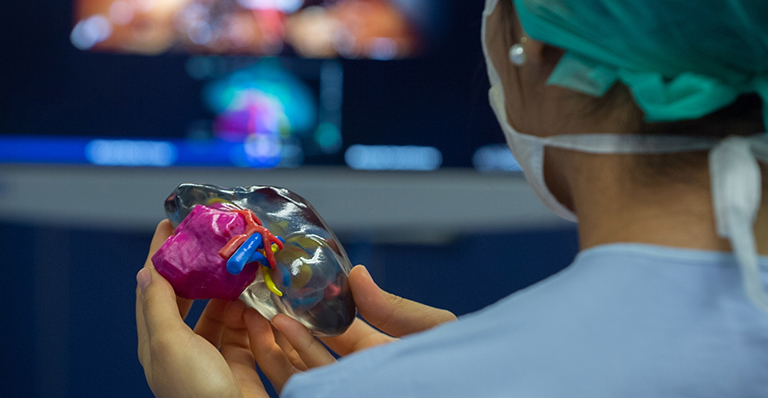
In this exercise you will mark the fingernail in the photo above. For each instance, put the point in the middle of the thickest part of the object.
(367, 274)
(276, 325)
(143, 278)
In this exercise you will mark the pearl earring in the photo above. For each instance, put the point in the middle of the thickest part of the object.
(517, 53)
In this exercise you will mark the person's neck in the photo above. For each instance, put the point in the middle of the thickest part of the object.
(614, 205)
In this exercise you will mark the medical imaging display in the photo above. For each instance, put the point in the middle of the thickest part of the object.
(364, 84)
(378, 29)
(266, 245)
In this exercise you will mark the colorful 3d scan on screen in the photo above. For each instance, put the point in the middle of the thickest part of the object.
(267, 109)
(377, 29)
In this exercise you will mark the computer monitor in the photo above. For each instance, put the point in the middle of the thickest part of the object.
(371, 84)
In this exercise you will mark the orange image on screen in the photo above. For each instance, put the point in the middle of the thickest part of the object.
(375, 29)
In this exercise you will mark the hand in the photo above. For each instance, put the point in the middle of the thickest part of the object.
(287, 347)
(214, 360)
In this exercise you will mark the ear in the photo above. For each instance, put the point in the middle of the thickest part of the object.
(542, 54)
(541, 57)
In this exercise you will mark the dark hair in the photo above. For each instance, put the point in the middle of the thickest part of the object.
(743, 117)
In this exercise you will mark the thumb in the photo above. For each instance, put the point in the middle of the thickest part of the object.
(157, 314)
(159, 309)
(389, 313)
(156, 299)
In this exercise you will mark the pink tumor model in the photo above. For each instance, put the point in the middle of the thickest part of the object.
(214, 253)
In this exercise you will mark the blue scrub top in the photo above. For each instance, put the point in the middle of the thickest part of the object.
(624, 320)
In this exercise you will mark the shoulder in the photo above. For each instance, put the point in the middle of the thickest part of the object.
(460, 359)
(606, 324)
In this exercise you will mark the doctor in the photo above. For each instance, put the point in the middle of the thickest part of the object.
(644, 121)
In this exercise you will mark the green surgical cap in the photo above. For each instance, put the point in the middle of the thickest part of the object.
(681, 59)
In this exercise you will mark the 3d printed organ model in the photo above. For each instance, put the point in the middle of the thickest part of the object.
(266, 246)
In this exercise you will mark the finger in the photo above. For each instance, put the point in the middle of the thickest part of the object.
(160, 312)
(141, 329)
(358, 336)
(211, 323)
(184, 306)
(235, 333)
(289, 351)
(157, 316)
(248, 380)
(163, 231)
(311, 351)
(235, 348)
(269, 356)
(389, 313)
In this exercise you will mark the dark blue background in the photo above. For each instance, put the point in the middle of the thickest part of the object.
(67, 322)
(69, 329)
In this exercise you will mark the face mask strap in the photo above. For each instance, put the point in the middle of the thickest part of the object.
(736, 191)
(532, 154)
(629, 143)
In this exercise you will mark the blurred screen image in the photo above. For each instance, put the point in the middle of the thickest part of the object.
(272, 112)
(374, 29)
(365, 84)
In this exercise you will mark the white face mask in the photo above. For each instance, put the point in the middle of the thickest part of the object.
(735, 173)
